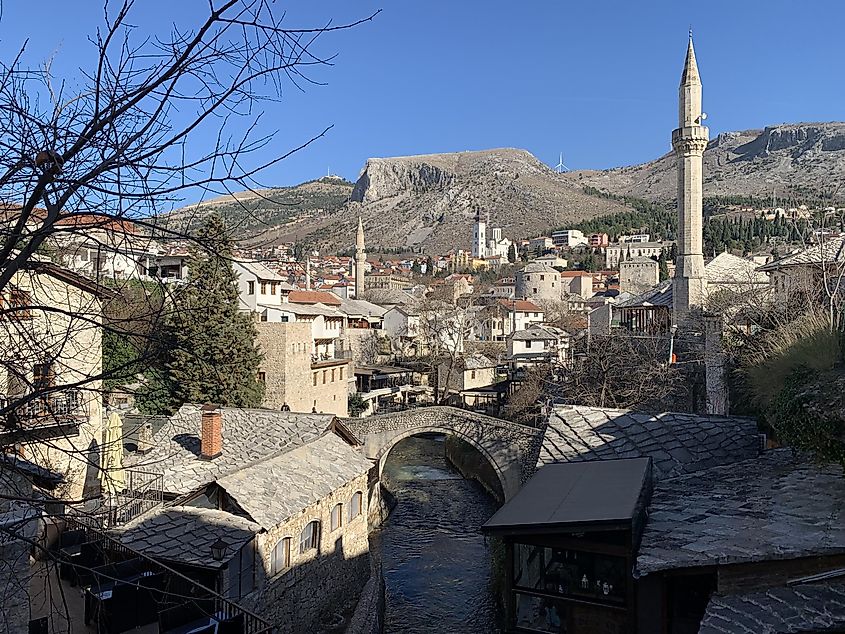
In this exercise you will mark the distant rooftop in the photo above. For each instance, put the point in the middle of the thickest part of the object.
(678, 443)
(776, 506)
(575, 495)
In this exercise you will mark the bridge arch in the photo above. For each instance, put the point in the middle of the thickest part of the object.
(446, 431)
(510, 448)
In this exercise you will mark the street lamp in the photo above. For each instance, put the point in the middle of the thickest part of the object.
(218, 549)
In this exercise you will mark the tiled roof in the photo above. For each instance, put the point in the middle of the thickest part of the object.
(304, 309)
(660, 295)
(184, 534)
(677, 443)
(476, 361)
(360, 307)
(314, 297)
(538, 267)
(832, 250)
(726, 268)
(275, 489)
(538, 333)
(249, 435)
(520, 305)
(261, 272)
(776, 506)
(799, 609)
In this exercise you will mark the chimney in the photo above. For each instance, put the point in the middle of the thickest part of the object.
(211, 442)
(145, 438)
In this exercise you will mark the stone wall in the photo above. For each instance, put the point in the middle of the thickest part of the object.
(369, 613)
(290, 377)
(319, 583)
(473, 466)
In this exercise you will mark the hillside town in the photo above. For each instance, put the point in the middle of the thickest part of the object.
(615, 426)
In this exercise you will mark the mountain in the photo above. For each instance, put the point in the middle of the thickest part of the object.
(429, 201)
(266, 211)
(798, 161)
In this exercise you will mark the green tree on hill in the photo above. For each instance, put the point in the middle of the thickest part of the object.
(213, 358)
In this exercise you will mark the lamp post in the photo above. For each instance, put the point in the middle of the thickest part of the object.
(218, 549)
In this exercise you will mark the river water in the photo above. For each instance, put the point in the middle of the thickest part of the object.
(437, 567)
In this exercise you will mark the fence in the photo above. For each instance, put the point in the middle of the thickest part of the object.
(143, 493)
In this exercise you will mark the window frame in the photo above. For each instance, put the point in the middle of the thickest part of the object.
(357, 499)
(333, 526)
(250, 287)
(284, 543)
(311, 542)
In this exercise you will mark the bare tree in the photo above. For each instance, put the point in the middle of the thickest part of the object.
(115, 156)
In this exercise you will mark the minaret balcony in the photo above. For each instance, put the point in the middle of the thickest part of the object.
(690, 139)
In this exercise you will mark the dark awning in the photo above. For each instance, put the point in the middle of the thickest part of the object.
(575, 495)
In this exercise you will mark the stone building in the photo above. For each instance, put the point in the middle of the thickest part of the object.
(538, 281)
(52, 347)
(286, 493)
(638, 275)
(293, 377)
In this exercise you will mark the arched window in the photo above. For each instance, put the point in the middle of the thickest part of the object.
(355, 505)
(337, 516)
(309, 537)
(280, 557)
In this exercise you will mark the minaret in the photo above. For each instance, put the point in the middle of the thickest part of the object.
(689, 142)
(360, 261)
(479, 236)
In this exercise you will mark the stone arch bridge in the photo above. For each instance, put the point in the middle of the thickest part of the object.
(510, 448)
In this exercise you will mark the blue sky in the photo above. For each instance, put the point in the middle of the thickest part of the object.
(595, 80)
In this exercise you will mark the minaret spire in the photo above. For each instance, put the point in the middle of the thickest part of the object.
(689, 141)
(360, 260)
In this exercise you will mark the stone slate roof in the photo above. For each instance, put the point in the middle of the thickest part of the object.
(727, 268)
(249, 435)
(539, 333)
(184, 534)
(660, 295)
(677, 443)
(803, 608)
(776, 506)
(833, 250)
(276, 489)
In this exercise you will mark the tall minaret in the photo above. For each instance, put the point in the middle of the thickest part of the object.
(479, 236)
(360, 261)
(689, 142)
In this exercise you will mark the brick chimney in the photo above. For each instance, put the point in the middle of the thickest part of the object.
(211, 442)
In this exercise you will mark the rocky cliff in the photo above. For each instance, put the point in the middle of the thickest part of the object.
(792, 160)
(428, 201)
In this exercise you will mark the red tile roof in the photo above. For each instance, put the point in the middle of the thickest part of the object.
(520, 305)
(314, 297)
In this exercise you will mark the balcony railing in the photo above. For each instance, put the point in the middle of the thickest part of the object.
(142, 493)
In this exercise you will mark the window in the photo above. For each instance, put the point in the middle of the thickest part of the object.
(250, 288)
(341, 374)
(273, 288)
(337, 516)
(332, 375)
(263, 288)
(280, 557)
(534, 290)
(527, 344)
(20, 302)
(309, 537)
(355, 505)
(262, 377)
(43, 376)
(315, 379)
(542, 277)
(472, 374)
(325, 373)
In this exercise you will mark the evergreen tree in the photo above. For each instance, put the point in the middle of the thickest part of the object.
(662, 266)
(512, 254)
(213, 358)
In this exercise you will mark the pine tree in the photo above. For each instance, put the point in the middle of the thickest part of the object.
(662, 266)
(214, 358)
(512, 254)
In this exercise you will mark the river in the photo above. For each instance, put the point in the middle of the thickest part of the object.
(437, 567)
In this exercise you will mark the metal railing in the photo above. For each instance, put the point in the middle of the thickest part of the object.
(143, 493)
(65, 403)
